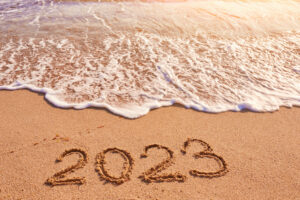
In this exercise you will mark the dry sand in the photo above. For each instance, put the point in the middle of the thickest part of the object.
(261, 150)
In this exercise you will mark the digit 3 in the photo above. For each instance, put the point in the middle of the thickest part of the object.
(206, 153)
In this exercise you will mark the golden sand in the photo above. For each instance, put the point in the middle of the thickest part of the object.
(233, 155)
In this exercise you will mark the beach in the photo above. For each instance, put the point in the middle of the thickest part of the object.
(149, 100)
(261, 151)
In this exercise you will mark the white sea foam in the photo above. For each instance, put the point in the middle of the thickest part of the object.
(211, 56)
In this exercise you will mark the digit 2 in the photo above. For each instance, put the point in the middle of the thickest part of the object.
(150, 175)
(58, 178)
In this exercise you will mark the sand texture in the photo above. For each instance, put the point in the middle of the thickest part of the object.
(172, 153)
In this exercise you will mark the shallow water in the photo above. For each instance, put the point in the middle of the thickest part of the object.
(130, 57)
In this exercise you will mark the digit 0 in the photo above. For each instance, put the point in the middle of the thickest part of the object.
(127, 166)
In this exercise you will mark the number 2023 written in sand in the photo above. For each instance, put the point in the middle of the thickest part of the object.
(151, 175)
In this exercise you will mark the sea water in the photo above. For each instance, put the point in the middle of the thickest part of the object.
(130, 57)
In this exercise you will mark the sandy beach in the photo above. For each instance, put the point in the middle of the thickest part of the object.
(261, 151)
(93, 69)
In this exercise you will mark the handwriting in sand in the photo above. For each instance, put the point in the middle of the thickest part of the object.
(154, 174)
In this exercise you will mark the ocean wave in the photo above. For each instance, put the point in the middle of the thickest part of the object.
(211, 56)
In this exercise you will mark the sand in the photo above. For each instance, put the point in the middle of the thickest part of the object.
(260, 151)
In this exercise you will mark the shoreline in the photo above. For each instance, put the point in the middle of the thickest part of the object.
(261, 150)
(243, 107)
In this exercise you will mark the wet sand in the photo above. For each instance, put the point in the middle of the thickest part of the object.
(261, 151)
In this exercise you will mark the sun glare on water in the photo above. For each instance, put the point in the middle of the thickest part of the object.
(130, 57)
